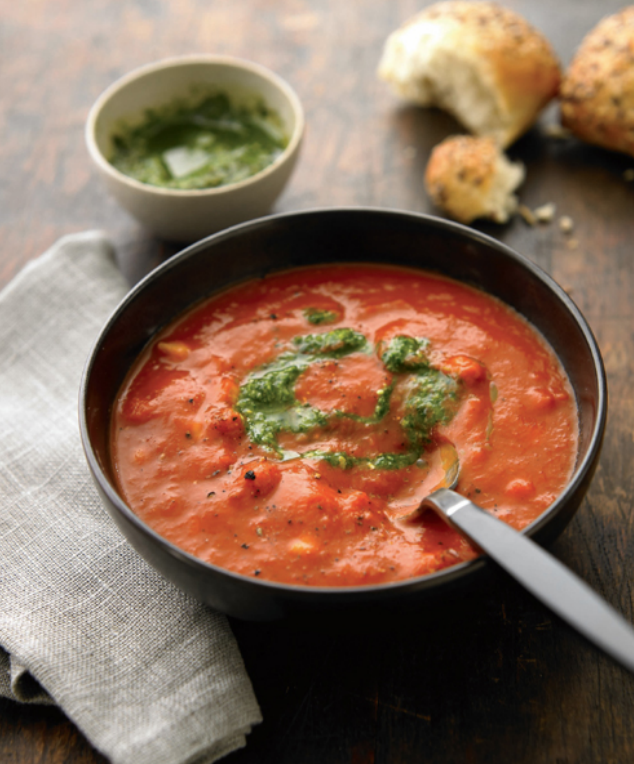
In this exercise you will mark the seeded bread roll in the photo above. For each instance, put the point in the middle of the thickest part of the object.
(469, 177)
(597, 93)
(484, 64)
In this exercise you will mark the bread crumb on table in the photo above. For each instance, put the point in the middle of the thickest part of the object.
(566, 224)
(527, 214)
(545, 213)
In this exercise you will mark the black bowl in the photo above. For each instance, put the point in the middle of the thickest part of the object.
(337, 235)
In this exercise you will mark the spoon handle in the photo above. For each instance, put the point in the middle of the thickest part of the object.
(542, 574)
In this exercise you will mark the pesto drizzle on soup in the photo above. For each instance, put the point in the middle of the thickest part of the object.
(282, 428)
(268, 403)
(201, 144)
(317, 316)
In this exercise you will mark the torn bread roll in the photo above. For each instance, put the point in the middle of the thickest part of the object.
(597, 93)
(483, 63)
(469, 177)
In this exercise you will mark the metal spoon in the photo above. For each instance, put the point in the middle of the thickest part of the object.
(538, 571)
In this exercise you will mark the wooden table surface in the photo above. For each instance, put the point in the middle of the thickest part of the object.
(502, 681)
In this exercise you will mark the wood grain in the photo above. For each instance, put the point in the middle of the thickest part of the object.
(496, 679)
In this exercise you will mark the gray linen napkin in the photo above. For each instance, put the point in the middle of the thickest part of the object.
(149, 675)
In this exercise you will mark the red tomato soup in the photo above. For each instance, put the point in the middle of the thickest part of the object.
(283, 428)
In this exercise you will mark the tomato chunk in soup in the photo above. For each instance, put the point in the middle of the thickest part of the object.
(283, 428)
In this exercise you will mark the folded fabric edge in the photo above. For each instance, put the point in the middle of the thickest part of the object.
(70, 241)
(17, 684)
(25, 687)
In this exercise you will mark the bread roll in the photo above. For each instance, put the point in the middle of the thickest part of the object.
(597, 94)
(482, 63)
(469, 177)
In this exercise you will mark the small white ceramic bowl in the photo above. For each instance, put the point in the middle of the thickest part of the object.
(190, 215)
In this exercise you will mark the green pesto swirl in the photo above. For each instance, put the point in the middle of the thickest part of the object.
(196, 144)
(269, 406)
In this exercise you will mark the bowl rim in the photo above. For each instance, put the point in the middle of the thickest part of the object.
(228, 61)
(362, 592)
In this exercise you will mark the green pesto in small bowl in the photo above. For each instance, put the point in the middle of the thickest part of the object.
(198, 143)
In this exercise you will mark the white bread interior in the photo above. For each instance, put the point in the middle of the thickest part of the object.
(426, 66)
(480, 62)
(501, 201)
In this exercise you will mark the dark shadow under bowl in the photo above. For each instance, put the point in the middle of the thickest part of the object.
(321, 236)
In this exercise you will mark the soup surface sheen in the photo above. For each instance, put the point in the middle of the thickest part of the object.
(282, 428)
